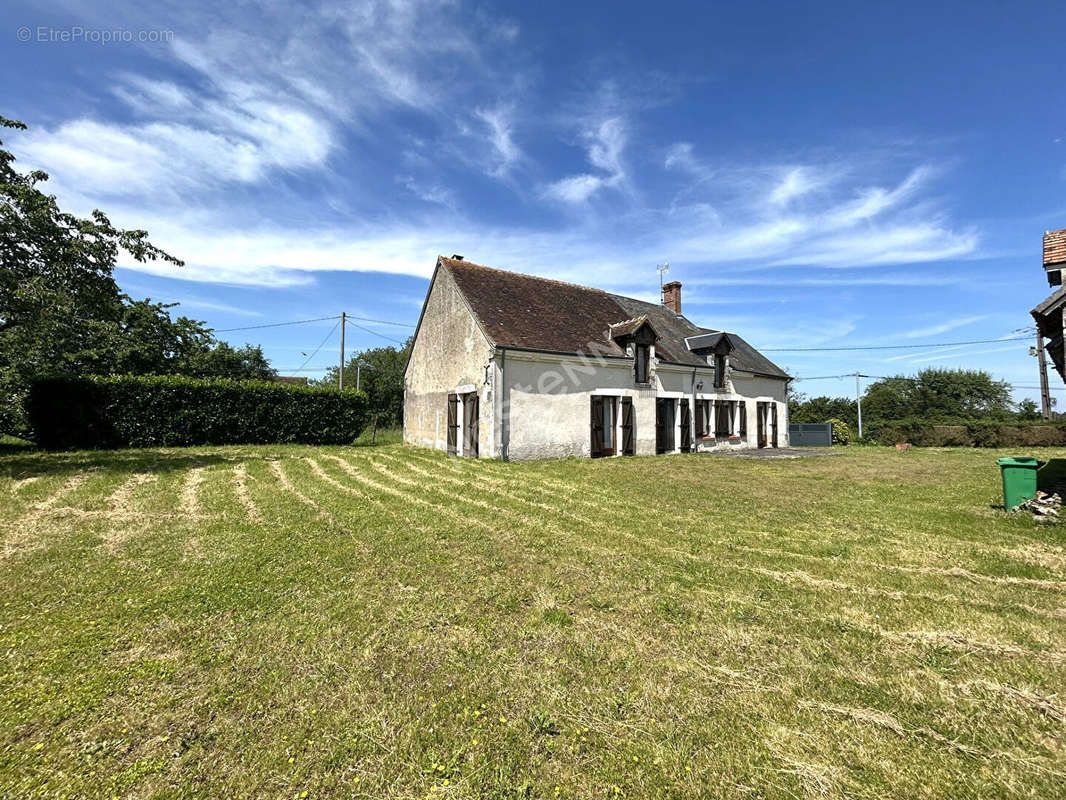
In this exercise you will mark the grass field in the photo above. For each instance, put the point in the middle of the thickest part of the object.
(380, 622)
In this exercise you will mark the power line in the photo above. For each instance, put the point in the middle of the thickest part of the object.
(887, 346)
(274, 324)
(316, 319)
(375, 333)
(383, 321)
(320, 345)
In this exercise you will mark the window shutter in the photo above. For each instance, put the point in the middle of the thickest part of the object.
(628, 443)
(701, 418)
(453, 424)
(686, 426)
(743, 418)
(596, 427)
(470, 425)
(660, 426)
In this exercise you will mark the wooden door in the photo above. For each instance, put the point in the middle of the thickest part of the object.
(596, 427)
(760, 424)
(629, 445)
(660, 425)
(773, 423)
(470, 425)
(453, 424)
(686, 426)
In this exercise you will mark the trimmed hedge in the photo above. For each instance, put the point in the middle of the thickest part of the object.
(147, 411)
(922, 433)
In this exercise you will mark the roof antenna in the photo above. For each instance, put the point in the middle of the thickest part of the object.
(662, 269)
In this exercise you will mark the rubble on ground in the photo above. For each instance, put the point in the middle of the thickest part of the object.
(1044, 506)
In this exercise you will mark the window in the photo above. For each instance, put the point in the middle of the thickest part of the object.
(608, 424)
(719, 371)
(723, 418)
(641, 362)
(602, 429)
(703, 418)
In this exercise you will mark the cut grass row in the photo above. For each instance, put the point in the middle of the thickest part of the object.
(389, 622)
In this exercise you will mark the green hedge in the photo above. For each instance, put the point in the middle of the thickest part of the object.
(127, 411)
(923, 433)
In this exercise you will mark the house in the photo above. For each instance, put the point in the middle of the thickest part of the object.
(1048, 315)
(512, 366)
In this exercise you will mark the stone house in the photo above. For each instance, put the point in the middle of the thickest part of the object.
(517, 367)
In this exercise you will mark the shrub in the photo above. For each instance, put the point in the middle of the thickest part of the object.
(841, 431)
(128, 411)
(970, 433)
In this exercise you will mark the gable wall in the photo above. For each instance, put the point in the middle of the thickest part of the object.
(449, 351)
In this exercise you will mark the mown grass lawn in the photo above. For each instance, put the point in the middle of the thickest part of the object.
(382, 622)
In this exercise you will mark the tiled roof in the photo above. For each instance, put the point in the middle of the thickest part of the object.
(517, 310)
(1054, 248)
(627, 327)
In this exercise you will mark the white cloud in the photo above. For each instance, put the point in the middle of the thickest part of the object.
(605, 141)
(796, 182)
(321, 97)
(499, 122)
(575, 189)
(945, 326)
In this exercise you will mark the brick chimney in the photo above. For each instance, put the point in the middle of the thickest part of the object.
(672, 296)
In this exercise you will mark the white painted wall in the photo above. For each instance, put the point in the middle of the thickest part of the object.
(550, 399)
(543, 410)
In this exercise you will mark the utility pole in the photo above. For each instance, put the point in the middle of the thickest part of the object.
(358, 373)
(1045, 395)
(340, 374)
(858, 399)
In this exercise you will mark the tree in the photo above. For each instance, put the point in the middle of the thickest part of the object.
(381, 377)
(938, 394)
(62, 313)
(1028, 410)
(822, 409)
(54, 264)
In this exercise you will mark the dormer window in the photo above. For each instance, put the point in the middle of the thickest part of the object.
(719, 371)
(636, 338)
(641, 362)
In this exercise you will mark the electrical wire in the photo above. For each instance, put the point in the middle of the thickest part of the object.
(887, 346)
(375, 333)
(320, 345)
(274, 324)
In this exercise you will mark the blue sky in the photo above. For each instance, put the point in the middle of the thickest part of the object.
(829, 175)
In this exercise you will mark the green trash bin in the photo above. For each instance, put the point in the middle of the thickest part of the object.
(1019, 480)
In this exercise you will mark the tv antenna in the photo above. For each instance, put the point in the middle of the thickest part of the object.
(662, 269)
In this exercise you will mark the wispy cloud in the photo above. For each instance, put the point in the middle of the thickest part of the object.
(499, 122)
(945, 326)
(357, 138)
(605, 142)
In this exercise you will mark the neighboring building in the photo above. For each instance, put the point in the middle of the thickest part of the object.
(1048, 315)
(294, 380)
(512, 366)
